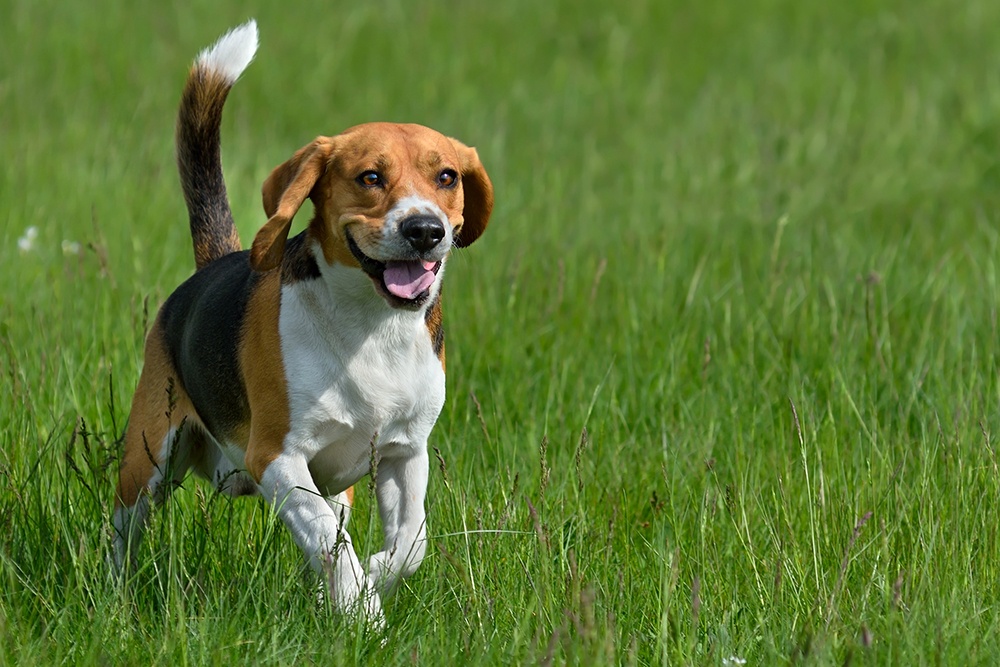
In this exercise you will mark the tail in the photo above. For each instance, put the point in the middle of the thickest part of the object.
(198, 158)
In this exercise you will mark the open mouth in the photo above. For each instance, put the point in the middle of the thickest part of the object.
(404, 283)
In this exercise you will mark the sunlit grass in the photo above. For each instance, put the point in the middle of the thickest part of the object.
(722, 371)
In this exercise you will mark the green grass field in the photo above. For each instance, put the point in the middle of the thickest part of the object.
(723, 371)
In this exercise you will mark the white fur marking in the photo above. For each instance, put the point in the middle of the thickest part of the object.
(356, 368)
(318, 531)
(232, 53)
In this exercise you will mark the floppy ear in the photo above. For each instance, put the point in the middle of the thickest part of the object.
(478, 195)
(284, 191)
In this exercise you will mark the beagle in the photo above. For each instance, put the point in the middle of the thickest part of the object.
(288, 369)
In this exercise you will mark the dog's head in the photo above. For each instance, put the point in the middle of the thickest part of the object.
(390, 200)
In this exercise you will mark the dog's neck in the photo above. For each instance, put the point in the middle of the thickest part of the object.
(346, 294)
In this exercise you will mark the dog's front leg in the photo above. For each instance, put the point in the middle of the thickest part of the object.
(400, 486)
(319, 532)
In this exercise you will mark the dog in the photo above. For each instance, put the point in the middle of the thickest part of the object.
(293, 368)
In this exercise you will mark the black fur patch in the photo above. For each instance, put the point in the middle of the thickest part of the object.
(202, 321)
(298, 264)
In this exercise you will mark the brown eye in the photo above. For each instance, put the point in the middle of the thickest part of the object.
(369, 179)
(447, 178)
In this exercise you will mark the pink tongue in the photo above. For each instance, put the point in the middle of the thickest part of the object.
(408, 279)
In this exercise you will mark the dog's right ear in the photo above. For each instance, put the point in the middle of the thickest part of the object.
(284, 192)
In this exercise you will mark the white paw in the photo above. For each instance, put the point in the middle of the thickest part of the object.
(351, 593)
(374, 616)
(367, 604)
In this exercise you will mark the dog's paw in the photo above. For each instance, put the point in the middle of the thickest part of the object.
(353, 594)
(366, 608)
(371, 606)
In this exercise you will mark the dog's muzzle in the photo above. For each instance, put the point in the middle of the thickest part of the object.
(403, 283)
(423, 232)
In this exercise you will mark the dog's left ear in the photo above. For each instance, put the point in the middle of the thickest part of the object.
(284, 192)
(478, 195)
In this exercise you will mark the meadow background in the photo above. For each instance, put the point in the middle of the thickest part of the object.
(723, 371)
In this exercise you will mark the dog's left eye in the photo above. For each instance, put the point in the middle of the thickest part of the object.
(369, 179)
(447, 178)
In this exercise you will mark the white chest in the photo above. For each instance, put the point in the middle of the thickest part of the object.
(357, 373)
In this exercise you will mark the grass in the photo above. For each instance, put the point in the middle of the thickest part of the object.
(723, 371)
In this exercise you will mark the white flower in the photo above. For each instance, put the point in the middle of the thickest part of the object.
(70, 247)
(733, 660)
(27, 242)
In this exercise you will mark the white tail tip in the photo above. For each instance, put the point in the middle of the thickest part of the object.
(231, 54)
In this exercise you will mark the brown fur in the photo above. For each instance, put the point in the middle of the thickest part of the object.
(264, 375)
(478, 195)
(159, 404)
(435, 327)
(326, 169)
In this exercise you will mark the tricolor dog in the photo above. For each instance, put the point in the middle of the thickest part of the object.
(277, 370)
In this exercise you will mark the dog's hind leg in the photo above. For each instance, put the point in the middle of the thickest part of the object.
(164, 437)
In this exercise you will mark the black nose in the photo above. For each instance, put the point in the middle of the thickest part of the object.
(422, 231)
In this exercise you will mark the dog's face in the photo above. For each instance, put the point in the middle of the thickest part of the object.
(390, 200)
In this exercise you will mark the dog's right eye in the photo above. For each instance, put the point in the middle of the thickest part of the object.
(369, 179)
